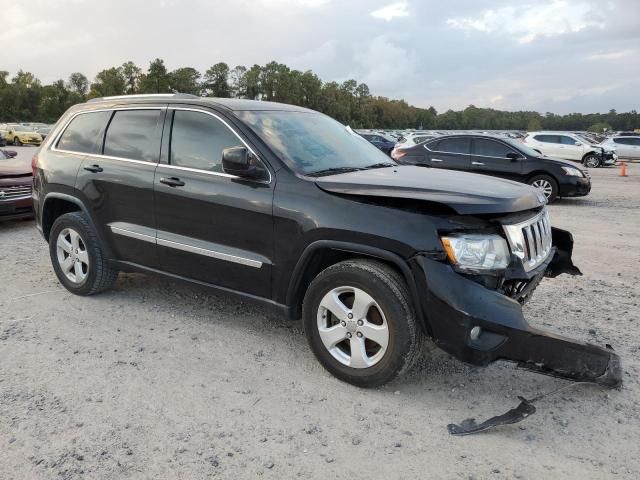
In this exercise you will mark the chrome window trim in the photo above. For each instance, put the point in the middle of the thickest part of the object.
(209, 253)
(226, 124)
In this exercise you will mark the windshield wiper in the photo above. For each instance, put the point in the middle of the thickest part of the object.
(380, 165)
(331, 171)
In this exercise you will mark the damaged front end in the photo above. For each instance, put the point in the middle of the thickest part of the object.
(478, 318)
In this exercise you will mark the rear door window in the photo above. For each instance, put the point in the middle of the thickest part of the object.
(85, 133)
(490, 148)
(134, 135)
(454, 145)
(547, 138)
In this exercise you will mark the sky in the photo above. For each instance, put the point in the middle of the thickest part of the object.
(556, 56)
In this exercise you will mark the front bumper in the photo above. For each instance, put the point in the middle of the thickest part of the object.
(454, 305)
(574, 187)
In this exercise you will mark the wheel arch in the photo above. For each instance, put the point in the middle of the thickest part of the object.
(322, 254)
(590, 152)
(56, 204)
(536, 173)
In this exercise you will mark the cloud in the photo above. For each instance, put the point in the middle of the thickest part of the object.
(544, 55)
(391, 11)
(529, 22)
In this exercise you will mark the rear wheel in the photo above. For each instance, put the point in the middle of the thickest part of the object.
(592, 160)
(547, 185)
(77, 257)
(360, 324)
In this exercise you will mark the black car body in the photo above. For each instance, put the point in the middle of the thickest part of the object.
(504, 158)
(260, 199)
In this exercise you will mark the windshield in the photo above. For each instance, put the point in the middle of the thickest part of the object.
(524, 148)
(312, 142)
(20, 128)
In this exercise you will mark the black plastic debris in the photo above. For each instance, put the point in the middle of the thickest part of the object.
(515, 415)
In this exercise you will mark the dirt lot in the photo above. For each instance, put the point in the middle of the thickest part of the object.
(161, 380)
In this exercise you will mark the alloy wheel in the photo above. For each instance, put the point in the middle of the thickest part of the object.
(543, 185)
(592, 161)
(352, 327)
(72, 254)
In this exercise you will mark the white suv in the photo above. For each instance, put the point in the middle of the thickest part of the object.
(625, 147)
(570, 146)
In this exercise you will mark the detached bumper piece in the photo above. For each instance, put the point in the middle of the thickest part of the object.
(479, 325)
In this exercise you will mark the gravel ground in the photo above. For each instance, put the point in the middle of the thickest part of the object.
(157, 379)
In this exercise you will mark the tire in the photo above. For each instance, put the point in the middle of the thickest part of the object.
(392, 311)
(17, 142)
(72, 238)
(547, 184)
(592, 160)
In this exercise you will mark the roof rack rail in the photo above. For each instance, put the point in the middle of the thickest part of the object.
(145, 95)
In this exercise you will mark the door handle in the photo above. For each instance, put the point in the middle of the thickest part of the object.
(436, 160)
(477, 163)
(94, 168)
(172, 182)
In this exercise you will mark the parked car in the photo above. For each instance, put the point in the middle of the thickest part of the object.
(625, 147)
(15, 187)
(379, 141)
(410, 140)
(286, 207)
(501, 157)
(20, 134)
(3, 140)
(43, 131)
(570, 146)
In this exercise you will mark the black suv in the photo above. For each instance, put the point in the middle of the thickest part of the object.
(285, 206)
(501, 157)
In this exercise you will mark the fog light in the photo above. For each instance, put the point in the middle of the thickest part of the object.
(475, 333)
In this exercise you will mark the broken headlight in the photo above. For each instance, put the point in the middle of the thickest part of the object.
(476, 252)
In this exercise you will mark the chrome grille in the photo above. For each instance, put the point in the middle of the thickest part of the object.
(531, 240)
(15, 192)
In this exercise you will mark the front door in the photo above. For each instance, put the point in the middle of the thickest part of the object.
(489, 156)
(118, 182)
(212, 227)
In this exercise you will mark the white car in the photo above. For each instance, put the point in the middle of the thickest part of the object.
(570, 146)
(625, 147)
(410, 140)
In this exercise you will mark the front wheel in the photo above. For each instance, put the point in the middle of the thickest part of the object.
(547, 185)
(17, 142)
(592, 160)
(360, 323)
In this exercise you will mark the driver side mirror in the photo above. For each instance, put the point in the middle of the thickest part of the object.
(240, 162)
(513, 156)
(578, 144)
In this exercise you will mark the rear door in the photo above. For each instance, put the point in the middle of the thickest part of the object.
(451, 153)
(212, 226)
(489, 156)
(118, 182)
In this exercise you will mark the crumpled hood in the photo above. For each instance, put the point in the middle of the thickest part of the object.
(466, 193)
(13, 167)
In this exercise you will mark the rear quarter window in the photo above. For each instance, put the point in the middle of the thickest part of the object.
(85, 133)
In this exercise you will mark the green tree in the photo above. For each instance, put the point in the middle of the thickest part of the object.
(534, 125)
(599, 127)
(107, 83)
(78, 83)
(131, 73)
(156, 80)
(185, 80)
(216, 81)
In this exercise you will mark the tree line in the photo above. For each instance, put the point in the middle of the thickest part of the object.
(24, 98)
